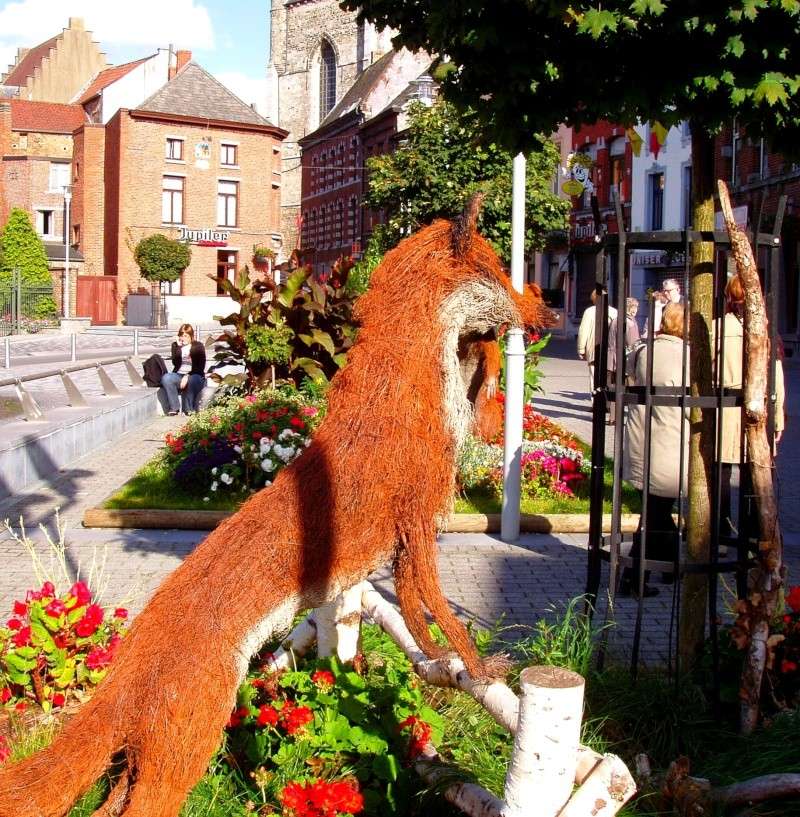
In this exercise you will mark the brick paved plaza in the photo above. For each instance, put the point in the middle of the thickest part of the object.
(484, 578)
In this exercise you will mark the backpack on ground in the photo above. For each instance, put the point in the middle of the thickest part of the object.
(154, 369)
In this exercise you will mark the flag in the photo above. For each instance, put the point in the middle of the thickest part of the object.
(635, 140)
(658, 135)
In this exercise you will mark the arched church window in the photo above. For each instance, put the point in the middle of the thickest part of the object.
(327, 79)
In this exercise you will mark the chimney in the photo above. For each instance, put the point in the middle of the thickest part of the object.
(183, 59)
(170, 64)
(76, 24)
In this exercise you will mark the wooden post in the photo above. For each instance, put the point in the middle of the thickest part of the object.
(545, 757)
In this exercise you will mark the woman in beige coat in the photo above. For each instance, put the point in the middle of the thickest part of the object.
(669, 435)
(733, 358)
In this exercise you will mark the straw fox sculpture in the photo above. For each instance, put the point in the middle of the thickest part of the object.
(368, 490)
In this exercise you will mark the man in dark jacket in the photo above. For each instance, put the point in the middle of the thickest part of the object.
(188, 376)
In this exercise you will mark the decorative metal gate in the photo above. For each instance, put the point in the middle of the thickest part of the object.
(26, 307)
(730, 552)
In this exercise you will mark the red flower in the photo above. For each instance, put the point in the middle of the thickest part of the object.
(203, 443)
(14, 624)
(237, 716)
(61, 640)
(257, 435)
(92, 619)
(238, 427)
(5, 749)
(420, 735)
(99, 658)
(56, 608)
(793, 598)
(21, 706)
(788, 666)
(322, 799)
(323, 679)
(80, 595)
(33, 595)
(5, 695)
(121, 613)
(296, 719)
(297, 422)
(263, 416)
(267, 715)
(48, 589)
(22, 638)
(59, 699)
(20, 608)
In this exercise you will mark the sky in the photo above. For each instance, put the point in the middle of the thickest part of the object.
(229, 39)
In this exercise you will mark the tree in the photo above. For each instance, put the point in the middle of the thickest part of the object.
(21, 248)
(161, 258)
(526, 65)
(444, 160)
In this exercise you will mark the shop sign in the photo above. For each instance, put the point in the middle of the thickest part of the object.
(204, 238)
(583, 232)
(658, 258)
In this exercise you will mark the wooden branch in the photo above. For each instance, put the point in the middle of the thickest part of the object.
(604, 791)
(339, 625)
(757, 790)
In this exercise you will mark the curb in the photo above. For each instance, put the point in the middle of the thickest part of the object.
(455, 523)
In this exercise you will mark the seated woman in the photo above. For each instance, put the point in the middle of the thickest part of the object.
(669, 427)
(188, 376)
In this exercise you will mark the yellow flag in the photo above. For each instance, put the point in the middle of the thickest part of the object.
(635, 140)
(660, 131)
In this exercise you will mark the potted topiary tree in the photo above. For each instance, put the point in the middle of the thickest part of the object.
(161, 260)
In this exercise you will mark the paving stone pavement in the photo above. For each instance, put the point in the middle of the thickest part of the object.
(486, 580)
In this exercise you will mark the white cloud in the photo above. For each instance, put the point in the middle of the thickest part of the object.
(184, 23)
(248, 89)
(8, 54)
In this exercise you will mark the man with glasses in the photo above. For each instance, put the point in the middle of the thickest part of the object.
(670, 293)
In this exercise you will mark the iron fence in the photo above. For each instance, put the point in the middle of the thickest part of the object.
(25, 307)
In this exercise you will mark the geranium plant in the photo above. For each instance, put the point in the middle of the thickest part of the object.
(327, 739)
(56, 646)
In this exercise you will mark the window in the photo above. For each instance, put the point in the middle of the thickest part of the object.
(172, 287)
(226, 268)
(227, 204)
(172, 200)
(327, 79)
(656, 201)
(227, 155)
(76, 235)
(686, 195)
(174, 149)
(46, 223)
(76, 175)
(617, 153)
(59, 176)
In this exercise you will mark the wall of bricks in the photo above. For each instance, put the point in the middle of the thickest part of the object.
(88, 202)
(135, 165)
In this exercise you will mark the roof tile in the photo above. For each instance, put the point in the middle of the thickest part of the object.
(45, 117)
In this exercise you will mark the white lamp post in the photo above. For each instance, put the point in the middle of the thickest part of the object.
(65, 294)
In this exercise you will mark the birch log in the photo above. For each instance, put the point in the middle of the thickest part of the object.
(298, 642)
(545, 757)
(768, 576)
(604, 791)
(339, 625)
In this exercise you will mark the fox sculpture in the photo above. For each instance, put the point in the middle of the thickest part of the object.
(368, 490)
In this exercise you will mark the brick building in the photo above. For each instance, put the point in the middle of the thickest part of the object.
(192, 162)
(36, 146)
(317, 52)
(362, 124)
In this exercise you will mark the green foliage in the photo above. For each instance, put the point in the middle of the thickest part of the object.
(358, 280)
(614, 61)
(161, 258)
(311, 315)
(533, 359)
(21, 248)
(444, 160)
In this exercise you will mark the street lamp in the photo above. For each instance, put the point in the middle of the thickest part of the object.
(65, 294)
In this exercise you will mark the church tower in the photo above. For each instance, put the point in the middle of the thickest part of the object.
(317, 51)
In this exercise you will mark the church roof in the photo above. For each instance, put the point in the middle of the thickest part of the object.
(193, 92)
(30, 62)
(360, 89)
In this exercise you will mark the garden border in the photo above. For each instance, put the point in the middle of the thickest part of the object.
(159, 518)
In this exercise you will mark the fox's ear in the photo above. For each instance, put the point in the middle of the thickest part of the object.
(465, 225)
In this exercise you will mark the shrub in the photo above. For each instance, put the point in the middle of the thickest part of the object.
(22, 249)
(240, 443)
(56, 646)
(162, 259)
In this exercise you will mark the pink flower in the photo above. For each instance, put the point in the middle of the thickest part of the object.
(309, 411)
(98, 658)
(22, 638)
(92, 619)
(121, 613)
(56, 608)
(48, 589)
(33, 595)
(14, 624)
(80, 596)
(20, 608)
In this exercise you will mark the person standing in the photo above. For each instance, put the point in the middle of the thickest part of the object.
(188, 376)
(631, 339)
(586, 335)
(669, 446)
(670, 294)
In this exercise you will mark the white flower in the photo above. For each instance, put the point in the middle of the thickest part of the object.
(265, 443)
(214, 485)
(226, 478)
(237, 449)
(268, 465)
(267, 483)
(284, 452)
(287, 434)
(307, 442)
(214, 470)
(205, 499)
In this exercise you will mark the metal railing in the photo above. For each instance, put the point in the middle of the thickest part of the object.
(26, 307)
(32, 410)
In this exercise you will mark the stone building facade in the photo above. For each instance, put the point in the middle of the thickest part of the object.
(317, 51)
(57, 69)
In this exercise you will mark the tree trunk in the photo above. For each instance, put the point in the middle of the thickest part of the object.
(701, 442)
(767, 579)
